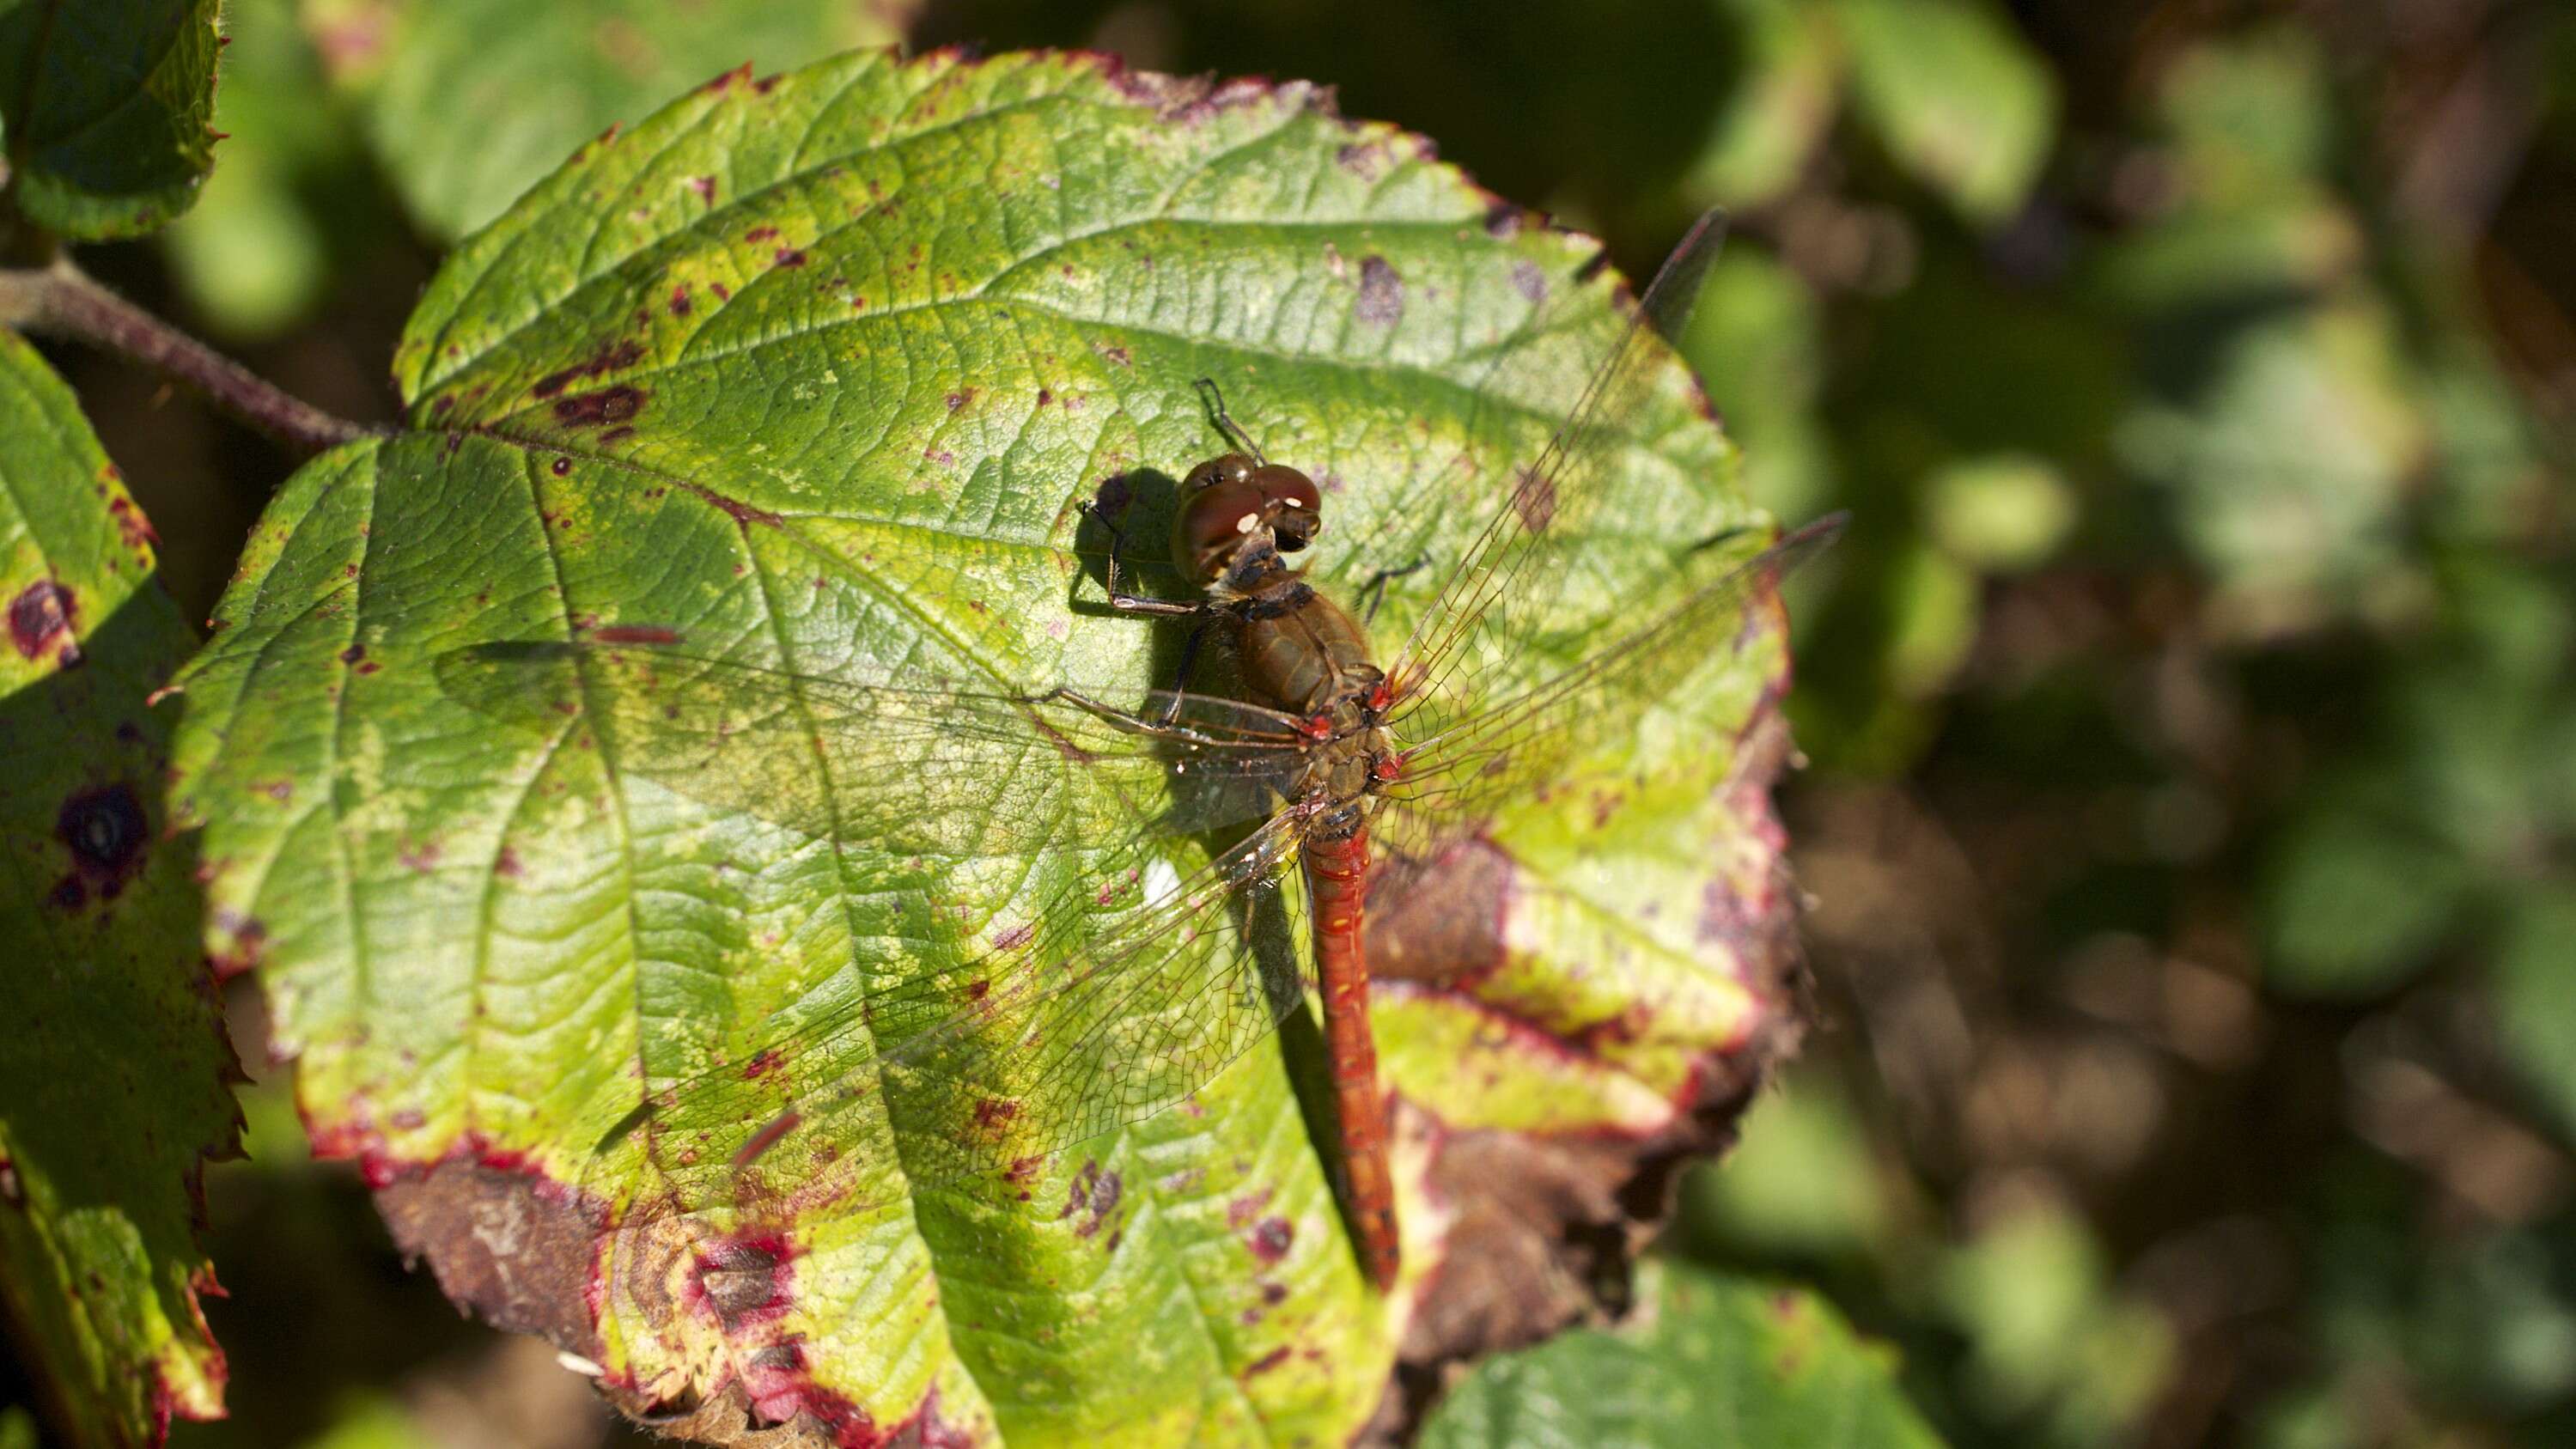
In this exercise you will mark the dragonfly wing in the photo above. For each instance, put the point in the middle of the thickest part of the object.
(1512, 574)
(1460, 766)
(1101, 1019)
(904, 761)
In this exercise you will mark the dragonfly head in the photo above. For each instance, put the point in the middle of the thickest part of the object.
(1235, 501)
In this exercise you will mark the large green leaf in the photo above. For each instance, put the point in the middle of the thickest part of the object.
(1708, 1362)
(470, 102)
(104, 104)
(817, 370)
(113, 1089)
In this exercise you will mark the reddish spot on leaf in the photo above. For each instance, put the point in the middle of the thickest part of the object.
(680, 304)
(608, 405)
(1014, 938)
(762, 1063)
(1366, 159)
(131, 525)
(1270, 1238)
(994, 1113)
(41, 619)
(1534, 499)
(249, 942)
(1381, 300)
(353, 653)
(506, 864)
(789, 257)
(561, 467)
(610, 357)
(106, 832)
(760, 234)
(1268, 1361)
(1529, 281)
(734, 508)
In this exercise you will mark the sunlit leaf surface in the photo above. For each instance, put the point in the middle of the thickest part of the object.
(813, 373)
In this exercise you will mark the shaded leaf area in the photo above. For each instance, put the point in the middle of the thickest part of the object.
(813, 372)
(469, 102)
(115, 1088)
(1706, 1361)
(104, 107)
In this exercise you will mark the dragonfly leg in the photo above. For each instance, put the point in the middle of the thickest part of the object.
(1129, 719)
(1375, 589)
(1119, 598)
(1181, 676)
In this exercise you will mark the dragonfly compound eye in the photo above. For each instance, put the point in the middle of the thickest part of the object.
(1295, 504)
(1215, 518)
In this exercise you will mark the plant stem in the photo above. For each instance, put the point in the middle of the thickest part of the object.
(61, 300)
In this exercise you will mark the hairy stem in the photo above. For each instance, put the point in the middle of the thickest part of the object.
(60, 300)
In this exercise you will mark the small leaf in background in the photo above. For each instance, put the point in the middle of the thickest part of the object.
(817, 370)
(2289, 461)
(469, 102)
(104, 105)
(2534, 974)
(2248, 118)
(1705, 1362)
(255, 253)
(2054, 1340)
(1755, 342)
(1802, 1183)
(2356, 902)
(1789, 78)
(1999, 513)
(1955, 95)
(114, 1089)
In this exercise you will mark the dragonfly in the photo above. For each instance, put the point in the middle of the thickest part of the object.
(1133, 985)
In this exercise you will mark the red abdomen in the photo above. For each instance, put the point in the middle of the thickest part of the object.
(1336, 883)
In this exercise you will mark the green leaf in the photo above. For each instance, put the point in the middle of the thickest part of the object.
(114, 1088)
(1708, 1362)
(2054, 1339)
(1787, 86)
(469, 102)
(1955, 95)
(255, 253)
(2357, 902)
(817, 371)
(2535, 998)
(104, 106)
(2000, 512)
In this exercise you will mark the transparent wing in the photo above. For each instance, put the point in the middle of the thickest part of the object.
(1520, 746)
(1511, 575)
(1104, 1017)
(901, 759)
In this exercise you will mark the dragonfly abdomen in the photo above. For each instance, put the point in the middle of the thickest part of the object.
(1336, 885)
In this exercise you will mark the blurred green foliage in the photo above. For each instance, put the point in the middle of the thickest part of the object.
(2192, 732)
